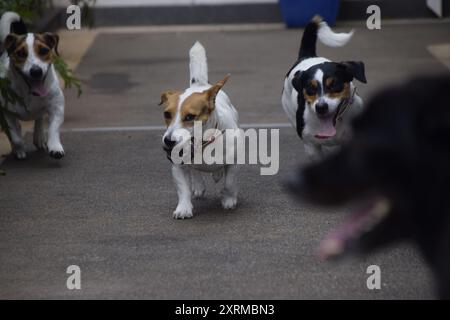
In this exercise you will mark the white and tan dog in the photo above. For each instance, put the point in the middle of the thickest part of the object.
(209, 105)
(27, 63)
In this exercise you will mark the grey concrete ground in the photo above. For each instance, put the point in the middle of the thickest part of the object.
(107, 206)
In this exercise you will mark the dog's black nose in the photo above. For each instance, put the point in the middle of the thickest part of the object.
(36, 73)
(169, 143)
(322, 108)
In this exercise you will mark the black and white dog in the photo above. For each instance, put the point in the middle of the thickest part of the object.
(28, 63)
(319, 96)
(397, 168)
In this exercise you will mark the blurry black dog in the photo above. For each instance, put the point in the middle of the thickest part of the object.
(398, 168)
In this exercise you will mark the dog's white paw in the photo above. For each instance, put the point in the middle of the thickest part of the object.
(199, 193)
(55, 150)
(183, 211)
(229, 202)
(20, 154)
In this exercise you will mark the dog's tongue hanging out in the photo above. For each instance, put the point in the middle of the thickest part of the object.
(39, 90)
(326, 129)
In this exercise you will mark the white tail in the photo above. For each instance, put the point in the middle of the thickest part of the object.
(198, 64)
(329, 38)
(5, 23)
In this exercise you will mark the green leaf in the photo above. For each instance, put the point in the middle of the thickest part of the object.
(67, 75)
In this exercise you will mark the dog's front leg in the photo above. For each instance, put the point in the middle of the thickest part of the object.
(230, 190)
(15, 138)
(198, 185)
(181, 179)
(39, 139)
(56, 119)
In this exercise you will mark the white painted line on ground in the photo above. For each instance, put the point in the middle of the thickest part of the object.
(192, 28)
(395, 22)
(162, 128)
(250, 26)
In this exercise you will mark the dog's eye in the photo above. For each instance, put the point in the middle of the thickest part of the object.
(189, 117)
(43, 51)
(310, 90)
(167, 115)
(22, 54)
(336, 86)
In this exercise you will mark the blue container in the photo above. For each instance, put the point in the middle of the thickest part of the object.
(297, 13)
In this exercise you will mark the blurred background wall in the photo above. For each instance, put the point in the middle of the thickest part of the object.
(170, 12)
(103, 3)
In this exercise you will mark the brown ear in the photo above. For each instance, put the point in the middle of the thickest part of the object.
(214, 90)
(52, 40)
(11, 42)
(166, 95)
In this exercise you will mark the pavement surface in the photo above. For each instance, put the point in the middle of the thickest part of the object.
(107, 206)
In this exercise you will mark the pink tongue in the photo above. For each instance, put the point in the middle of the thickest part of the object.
(327, 129)
(40, 90)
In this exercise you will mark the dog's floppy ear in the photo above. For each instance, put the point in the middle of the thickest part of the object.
(166, 95)
(297, 81)
(356, 70)
(214, 90)
(11, 42)
(52, 40)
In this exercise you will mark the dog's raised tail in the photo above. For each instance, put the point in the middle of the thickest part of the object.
(319, 28)
(198, 64)
(11, 23)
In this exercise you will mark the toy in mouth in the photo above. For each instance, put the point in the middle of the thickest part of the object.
(362, 221)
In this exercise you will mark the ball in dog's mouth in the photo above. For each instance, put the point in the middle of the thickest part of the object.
(326, 129)
(364, 219)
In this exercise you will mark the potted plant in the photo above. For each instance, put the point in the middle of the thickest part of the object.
(297, 13)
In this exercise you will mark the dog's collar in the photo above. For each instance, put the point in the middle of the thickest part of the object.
(343, 107)
(212, 138)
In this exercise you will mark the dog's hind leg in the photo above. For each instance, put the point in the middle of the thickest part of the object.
(39, 138)
(16, 139)
(230, 190)
(181, 179)
(197, 183)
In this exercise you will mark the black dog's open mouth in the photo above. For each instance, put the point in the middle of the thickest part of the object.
(360, 222)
